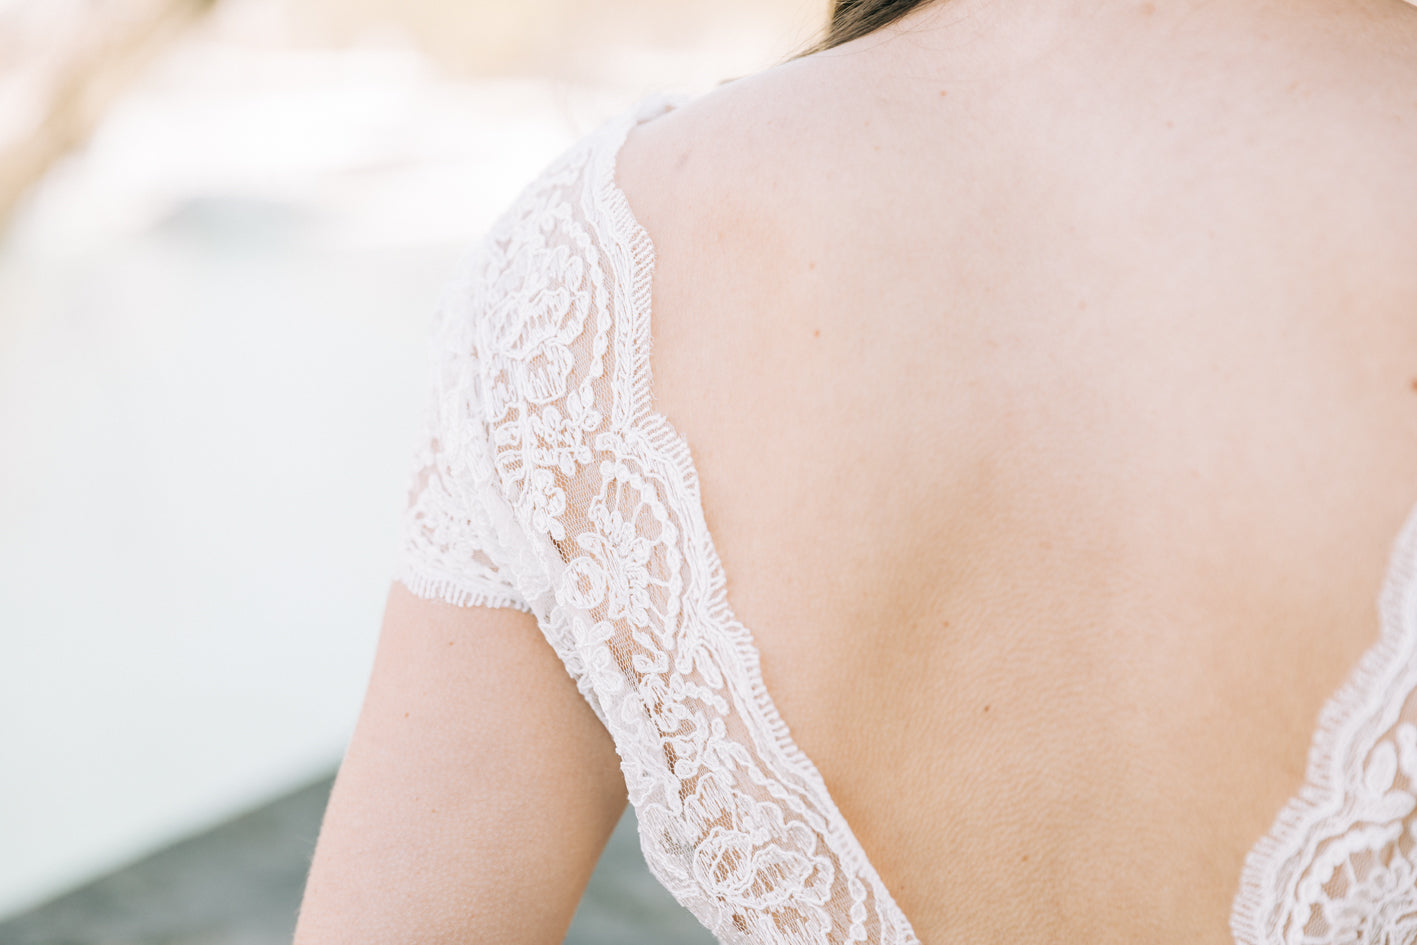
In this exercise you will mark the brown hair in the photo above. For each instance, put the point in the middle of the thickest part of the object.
(852, 19)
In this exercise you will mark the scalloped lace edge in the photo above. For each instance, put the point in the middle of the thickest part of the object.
(661, 433)
(1363, 695)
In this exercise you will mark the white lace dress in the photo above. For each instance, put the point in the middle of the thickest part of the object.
(548, 484)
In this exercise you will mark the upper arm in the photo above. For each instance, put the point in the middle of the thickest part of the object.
(481, 785)
(476, 794)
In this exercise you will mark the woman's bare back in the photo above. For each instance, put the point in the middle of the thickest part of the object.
(1053, 394)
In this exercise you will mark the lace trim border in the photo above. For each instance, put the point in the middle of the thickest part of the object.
(452, 590)
(661, 434)
(1363, 695)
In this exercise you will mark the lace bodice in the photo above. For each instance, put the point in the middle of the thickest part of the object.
(548, 483)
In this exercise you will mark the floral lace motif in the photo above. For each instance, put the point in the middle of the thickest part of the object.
(549, 485)
(1340, 865)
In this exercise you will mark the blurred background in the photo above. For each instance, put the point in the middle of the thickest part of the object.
(224, 225)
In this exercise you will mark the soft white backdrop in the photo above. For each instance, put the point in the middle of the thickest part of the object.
(212, 327)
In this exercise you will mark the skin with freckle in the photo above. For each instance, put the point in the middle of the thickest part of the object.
(1049, 371)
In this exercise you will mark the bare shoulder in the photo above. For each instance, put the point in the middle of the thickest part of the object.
(894, 148)
(729, 189)
(718, 163)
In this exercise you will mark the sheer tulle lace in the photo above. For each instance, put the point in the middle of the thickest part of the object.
(1340, 864)
(549, 481)
(548, 484)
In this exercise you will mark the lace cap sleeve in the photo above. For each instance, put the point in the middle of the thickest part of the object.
(457, 535)
(613, 553)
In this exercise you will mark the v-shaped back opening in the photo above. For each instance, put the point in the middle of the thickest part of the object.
(1352, 722)
(629, 588)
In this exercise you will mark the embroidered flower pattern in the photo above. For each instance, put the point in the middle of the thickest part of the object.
(546, 377)
(550, 486)
(1377, 906)
(1338, 866)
